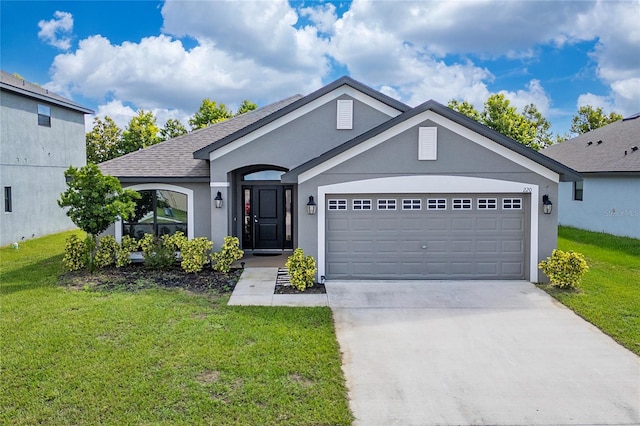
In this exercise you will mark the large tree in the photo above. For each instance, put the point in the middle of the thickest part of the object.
(209, 113)
(142, 132)
(246, 107)
(104, 141)
(172, 128)
(529, 128)
(589, 118)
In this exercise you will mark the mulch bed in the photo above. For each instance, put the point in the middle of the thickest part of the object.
(136, 277)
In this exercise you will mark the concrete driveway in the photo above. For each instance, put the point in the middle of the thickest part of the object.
(477, 353)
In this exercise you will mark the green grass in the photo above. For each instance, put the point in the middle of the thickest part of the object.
(156, 356)
(609, 295)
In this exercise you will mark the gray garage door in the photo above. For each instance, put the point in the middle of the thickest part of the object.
(427, 236)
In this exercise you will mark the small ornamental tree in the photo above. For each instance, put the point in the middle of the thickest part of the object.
(95, 201)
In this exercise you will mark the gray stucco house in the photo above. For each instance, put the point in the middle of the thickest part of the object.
(396, 192)
(608, 199)
(41, 135)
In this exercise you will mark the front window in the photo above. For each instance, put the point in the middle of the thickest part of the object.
(44, 116)
(158, 212)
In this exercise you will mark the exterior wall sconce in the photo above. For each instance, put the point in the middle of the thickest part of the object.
(312, 207)
(547, 205)
(218, 200)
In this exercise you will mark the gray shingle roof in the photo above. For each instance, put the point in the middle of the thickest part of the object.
(17, 85)
(607, 149)
(174, 158)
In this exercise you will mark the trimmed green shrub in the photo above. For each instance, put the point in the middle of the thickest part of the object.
(194, 254)
(175, 241)
(127, 246)
(106, 253)
(229, 253)
(564, 269)
(156, 254)
(76, 255)
(302, 269)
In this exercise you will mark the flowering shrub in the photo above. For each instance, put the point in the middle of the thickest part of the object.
(302, 269)
(229, 253)
(106, 253)
(564, 269)
(194, 254)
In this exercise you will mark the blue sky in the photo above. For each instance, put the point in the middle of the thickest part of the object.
(166, 56)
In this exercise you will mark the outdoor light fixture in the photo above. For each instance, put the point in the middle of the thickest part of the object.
(311, 206)
(218, 200)
(547, 205)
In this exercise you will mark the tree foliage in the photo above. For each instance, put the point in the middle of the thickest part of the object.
(529, 128)
(142, 132)
(209, 113)
(104, 141)
(172, 128)
(246, 107)
(589, 118)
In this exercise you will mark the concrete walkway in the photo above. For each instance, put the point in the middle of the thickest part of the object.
(256, 286)
(477, 353)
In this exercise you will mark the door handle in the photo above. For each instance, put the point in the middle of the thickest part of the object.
(255, 218)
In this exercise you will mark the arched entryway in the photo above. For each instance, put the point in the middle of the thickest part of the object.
(266, 213)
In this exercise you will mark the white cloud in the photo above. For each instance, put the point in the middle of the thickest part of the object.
(57, 31)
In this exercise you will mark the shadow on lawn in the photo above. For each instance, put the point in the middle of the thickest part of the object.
(44, 272)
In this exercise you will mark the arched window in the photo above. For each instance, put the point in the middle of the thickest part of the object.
(158, 212)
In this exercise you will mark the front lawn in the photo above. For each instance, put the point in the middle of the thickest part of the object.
(609, 295)
(157, 356)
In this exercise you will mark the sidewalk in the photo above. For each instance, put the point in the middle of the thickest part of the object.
(256, 286)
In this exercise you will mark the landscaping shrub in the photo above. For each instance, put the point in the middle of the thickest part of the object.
(156, 254)
(76, 254)
(564, 269)
(175, 241)
(302, 269)
(106, 253)
(229, 253)
(127, 246)
(194, 253)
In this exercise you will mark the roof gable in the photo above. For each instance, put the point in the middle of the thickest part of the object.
(608, 149)
(344, 85)
(446, 117)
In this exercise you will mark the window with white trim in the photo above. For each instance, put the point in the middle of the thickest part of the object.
(337, 205)
(386, 204)
(461, 204)
(412, 204)
(512, 203)
(436, 204)
(362, 204)
(487, 203)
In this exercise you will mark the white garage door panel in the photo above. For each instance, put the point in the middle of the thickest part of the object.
(426, 244)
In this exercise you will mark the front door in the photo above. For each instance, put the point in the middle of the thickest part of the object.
(267, 217)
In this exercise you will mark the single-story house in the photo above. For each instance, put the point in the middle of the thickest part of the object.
(370, 187)
(608, 199)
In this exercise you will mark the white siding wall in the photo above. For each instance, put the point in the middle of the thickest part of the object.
(610, 205)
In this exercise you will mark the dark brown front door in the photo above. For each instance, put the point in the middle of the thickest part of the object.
(265, 210)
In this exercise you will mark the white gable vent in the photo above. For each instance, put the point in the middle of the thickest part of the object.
(345, 114)
(428, 143)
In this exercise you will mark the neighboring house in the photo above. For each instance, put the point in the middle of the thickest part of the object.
(608, 199)
(41, 135)
(395, 192)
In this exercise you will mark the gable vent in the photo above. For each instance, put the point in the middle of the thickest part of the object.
(428, 143)
(345, 114)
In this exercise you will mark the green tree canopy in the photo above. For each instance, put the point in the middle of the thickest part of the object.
(172, 128)
(589, 118)
(246, 107)
(529, 128)
(209, 113)
(104, 141)
(142, 132)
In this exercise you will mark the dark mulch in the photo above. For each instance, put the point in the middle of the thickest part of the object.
(136, 277)
(317, 288)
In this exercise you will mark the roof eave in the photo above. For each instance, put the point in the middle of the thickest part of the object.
(41, 97)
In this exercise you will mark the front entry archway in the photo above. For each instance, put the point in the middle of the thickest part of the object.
(267, 211)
